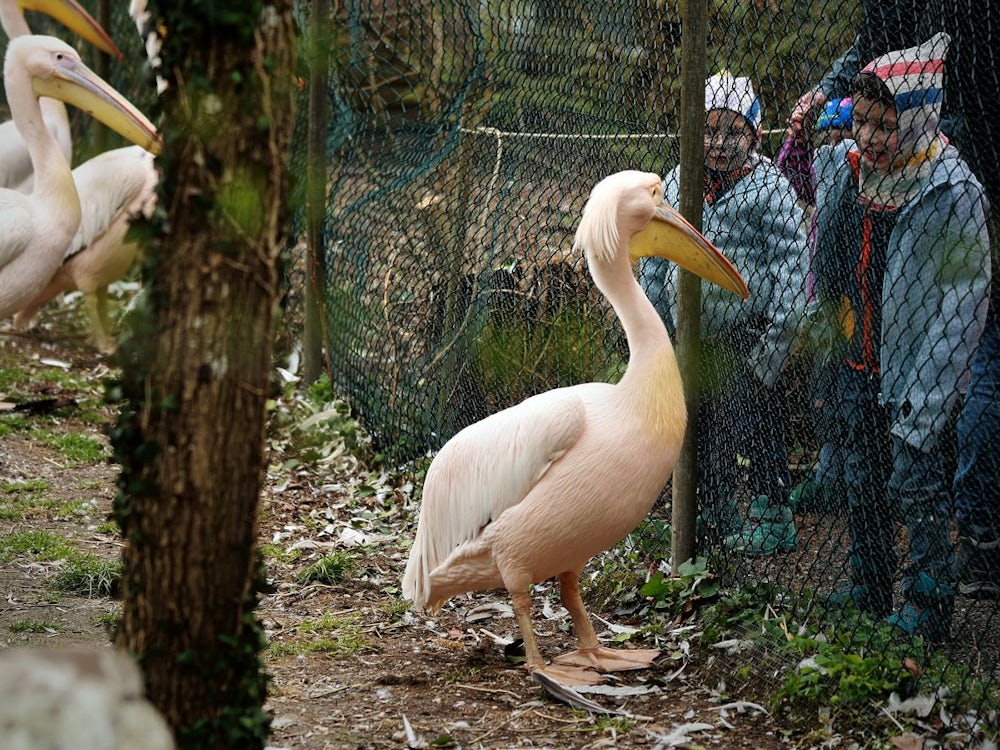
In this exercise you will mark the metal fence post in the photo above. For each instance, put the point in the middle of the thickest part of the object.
(316, 176)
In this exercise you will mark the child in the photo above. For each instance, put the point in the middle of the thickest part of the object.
(750, 213)
(901, 234)
(824, 490)
(794, 159)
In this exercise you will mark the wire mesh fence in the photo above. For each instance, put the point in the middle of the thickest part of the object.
(464, 140)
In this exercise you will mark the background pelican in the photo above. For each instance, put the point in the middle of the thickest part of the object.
(15, 164)
(114, 188)
(536, 490)
(36, 229)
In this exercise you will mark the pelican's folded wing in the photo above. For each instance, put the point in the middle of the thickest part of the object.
(489, 467)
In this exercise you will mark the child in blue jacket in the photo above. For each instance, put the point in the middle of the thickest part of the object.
(901, 236)
(750, 213)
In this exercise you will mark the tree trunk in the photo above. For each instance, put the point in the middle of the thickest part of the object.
(197, 367)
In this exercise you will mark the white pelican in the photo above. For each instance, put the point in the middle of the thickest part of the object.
(15, 164)
(36, 229)
(536, 490)
(114, 188)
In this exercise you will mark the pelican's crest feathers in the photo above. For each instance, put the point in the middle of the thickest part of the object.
(598, 231)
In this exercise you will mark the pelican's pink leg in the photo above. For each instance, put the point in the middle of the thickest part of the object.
(590, 653)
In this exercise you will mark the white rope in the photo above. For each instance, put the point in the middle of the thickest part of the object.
(496, 170)
(501, 134)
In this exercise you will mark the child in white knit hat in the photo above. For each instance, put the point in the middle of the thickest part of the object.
(750, 212)
(732, 122)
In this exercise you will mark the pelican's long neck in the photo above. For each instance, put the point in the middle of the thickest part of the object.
(648, 341)
(651, 387)
(14, 25)
(52, 176)
(12, 20)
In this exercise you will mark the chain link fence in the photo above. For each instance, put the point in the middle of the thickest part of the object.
(464, 139)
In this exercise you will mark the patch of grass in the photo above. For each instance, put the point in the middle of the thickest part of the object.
(88, 575)
(22, 500)
(41, 545)
(35, 626)
(92, 416)
(16, 497)
(109, 620)
(73, 446)
(330, 569)
(58, 378)
(11, 423)
(393, 606)
(280, 554)
(12, 377)
(337, 637)
(326, 623)
(108, 527)
(30, 488)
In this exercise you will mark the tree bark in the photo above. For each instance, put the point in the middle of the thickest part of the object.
(197, 369)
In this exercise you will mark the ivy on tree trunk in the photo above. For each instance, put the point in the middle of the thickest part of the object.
(196, 369)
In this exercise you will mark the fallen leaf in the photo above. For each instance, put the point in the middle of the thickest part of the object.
(912, 666)
(907, 742)
(679, 735)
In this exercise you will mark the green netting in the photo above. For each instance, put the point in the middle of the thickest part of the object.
(464, 139)
(475, 134)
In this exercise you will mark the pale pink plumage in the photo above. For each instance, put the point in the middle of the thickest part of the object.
(36, 229)
(114, 188)
(536, 490)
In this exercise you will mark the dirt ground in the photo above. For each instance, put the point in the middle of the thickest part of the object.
(352, 667)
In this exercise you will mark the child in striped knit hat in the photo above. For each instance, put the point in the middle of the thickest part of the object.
(901, 236)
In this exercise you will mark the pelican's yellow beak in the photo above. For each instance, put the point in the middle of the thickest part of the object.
(669, 235)
(74, 17)
(76, 84)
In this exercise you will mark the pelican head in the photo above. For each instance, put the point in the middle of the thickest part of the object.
(56, 71)
(628, 206)
(69, 13)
